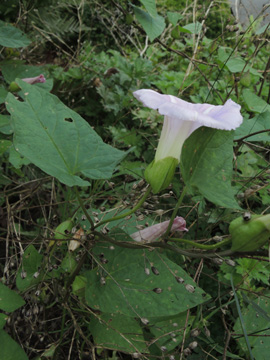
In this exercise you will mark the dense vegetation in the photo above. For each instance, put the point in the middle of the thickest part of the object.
(74, 150)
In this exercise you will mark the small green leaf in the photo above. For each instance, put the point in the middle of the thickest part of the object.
(206, 165)
(10, 350)
(174, 17)
(193, 28)
(69, 263)
(12, 37)
(78, 285)
(153, 26)
(9, 299)
(182, 29)
(63, 230)
(30, 266)
(259, 122)
(235, 65)
(58, 140)
(254, 102)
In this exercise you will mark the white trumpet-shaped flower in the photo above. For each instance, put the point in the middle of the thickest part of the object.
(181, 118)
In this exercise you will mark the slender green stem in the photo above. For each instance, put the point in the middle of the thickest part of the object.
(179, 202)
(127, 213)
(83, 208)
(202, 246)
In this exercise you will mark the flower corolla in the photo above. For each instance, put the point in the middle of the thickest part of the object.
(181, 118)
(154, 232)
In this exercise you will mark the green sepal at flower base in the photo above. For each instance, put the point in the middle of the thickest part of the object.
(250, 235)
(159, 174)
(14, 87)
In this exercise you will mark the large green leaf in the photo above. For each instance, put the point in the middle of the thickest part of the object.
(118, 332)
(123, 285)
(206, 165)
(5, 126)
(57, 139)
(3, 94)
(153, 26)
(4, 146)
(9, 299)
(10, 350)
(12, 37)
(3, 319)
(169, 333)
(257, 324)
(150, 6)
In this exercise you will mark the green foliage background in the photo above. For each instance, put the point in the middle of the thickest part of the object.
(111, 298)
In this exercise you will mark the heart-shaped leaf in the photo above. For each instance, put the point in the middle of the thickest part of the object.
(207, 163)
(57, 139)
(139, 283)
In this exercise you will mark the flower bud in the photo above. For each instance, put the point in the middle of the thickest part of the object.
(154, 232)
(14, 87)
(250, 235)
(159, 174)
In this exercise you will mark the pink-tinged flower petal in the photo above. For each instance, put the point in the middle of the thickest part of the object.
(34, 80)
(154, 232)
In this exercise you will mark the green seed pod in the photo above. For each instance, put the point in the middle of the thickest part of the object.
(63, 230)
(249, 235)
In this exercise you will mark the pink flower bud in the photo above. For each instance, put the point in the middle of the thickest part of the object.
(34, 80)
(154, 232)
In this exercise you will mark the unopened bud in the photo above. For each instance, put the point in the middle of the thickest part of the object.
(195, 332)
(190, 288)
(207, 332)
(193, 345)
(187, 352)
(145, 321)
(157, 290)
(217, 261)
(230, 262)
